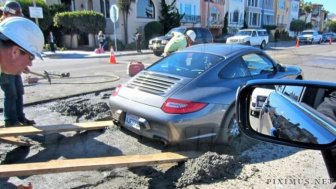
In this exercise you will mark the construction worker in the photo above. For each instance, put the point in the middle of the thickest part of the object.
(179, 41)
(138, 38)
(21, 41)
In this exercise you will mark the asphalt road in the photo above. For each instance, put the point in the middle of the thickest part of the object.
(94, 74)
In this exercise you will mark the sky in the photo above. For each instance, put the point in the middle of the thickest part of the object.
(329, 5)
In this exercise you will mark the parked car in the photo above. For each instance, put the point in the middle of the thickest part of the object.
(292, 115)
(258, 99)
(326, 37)
(157, 44)
(310, 36)
(253, 37)
(190, 94)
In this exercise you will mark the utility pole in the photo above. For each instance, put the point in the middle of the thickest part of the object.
(262, 14)
(36, 19)
(208, 16)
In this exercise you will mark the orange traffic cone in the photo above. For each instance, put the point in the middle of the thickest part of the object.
(297, 43)
(112, 57)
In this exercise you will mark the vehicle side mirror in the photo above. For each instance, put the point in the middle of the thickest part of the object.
(291, 112)
(280, 68)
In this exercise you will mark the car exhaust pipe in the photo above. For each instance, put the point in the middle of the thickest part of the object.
(161, 140)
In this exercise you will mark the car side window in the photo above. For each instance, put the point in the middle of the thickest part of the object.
(254, 33)
(234, 69)
(258, 64)
(199, 35)
(293, 92)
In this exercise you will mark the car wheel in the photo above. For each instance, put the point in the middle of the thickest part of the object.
(157, 53)
(263, 45)
(230, 134)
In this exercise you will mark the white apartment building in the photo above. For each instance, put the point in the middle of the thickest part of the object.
(294, 6)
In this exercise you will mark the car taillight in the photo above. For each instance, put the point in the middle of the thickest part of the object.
(176, 106)
(116, 90)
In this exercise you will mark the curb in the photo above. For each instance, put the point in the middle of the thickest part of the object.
(91, 55)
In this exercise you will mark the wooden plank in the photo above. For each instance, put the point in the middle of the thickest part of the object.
(17, 131)
(48, 129)
(58, 166)
(14, 140)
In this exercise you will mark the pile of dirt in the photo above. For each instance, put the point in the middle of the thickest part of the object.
(209, 167)
(84, 107)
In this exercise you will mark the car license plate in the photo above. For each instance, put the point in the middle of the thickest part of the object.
(155, 46)
(132, 121)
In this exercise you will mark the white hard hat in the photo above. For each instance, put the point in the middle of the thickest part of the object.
(13, 8)
(24, 33)
(191, 34)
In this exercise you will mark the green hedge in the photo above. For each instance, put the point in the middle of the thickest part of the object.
(46, 21)
(83, 21)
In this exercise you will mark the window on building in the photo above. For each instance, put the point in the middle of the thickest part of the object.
(145, 9)
(281, 4)
(254, 19)
(214, 15)
(90, 5)
(105, 8)
(295, 7)
(235, 17)
(187, 9)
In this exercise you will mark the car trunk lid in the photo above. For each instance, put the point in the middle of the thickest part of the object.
(152, 88)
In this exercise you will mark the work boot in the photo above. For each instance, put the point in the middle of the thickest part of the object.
(27, 122)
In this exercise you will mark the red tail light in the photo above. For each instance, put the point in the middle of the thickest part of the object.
(176, 106)
(116, 90)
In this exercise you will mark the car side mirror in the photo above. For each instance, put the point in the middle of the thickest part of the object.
(291, 112)
(280, 68)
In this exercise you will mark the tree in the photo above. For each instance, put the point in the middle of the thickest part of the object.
(306, 8)
(297, 26)
(170, 17)
(245, 21)
(309, 25)
(225, 26)
(332, 26)
(125, 8)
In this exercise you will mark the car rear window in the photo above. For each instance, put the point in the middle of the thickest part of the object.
(186, 64)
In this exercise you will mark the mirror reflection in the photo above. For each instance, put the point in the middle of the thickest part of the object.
(295, 113)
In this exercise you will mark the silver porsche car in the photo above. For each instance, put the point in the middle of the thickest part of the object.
(190, 95)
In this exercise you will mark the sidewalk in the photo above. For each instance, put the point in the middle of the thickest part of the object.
(90, 54)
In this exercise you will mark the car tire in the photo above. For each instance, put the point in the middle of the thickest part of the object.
(263, 45)
(229, 133)
(157, 53)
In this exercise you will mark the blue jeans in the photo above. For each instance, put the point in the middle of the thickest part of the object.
(12, 87)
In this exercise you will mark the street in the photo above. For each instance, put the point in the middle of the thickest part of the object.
(94, 74)
(262, 166)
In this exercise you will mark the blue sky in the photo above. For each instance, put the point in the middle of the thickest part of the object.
(329, 5)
